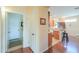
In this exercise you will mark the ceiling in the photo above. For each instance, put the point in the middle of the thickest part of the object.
(59, 11)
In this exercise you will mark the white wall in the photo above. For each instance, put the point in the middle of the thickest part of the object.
(35, 30)
(39, 41)
(40, 37)
(43, 13)
(72, 27)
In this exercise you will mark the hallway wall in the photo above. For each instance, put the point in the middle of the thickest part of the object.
(73, 27)
(43, 13)
(40, 32)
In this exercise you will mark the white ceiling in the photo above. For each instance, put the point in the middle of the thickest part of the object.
(64, 11)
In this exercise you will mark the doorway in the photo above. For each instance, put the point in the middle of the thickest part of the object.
(14, 31)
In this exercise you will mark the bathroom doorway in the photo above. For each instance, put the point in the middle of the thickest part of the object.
(14, 31)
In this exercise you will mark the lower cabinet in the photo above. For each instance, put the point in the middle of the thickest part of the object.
(49, 39)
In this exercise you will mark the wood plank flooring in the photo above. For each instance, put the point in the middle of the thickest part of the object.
(22, 50)
(73, 47)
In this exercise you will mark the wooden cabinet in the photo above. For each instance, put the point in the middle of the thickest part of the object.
(49, 39)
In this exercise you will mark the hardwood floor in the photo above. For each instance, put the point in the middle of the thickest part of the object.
(72, 47)
(22, 50)
(57, 48)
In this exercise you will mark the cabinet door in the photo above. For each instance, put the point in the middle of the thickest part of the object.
(49, 39)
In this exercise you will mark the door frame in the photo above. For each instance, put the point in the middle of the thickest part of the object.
(5, 42)
(0, 31)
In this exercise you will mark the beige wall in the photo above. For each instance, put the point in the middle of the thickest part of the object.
(34, 30)
(43, 13)
(40, 31)
(39, 41)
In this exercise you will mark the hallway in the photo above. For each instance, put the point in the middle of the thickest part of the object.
(41, 30)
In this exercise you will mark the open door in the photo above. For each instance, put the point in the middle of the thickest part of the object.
(14, 31)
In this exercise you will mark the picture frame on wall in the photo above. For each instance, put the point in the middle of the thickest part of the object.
(42, 21)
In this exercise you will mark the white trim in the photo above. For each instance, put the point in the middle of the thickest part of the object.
(7, 27)
(3, 29)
